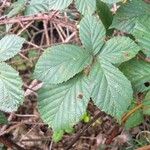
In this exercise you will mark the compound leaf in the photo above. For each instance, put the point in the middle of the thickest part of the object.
(10, 45)
(11, 93)
(62, 106)
(60, 63)
(86, 6)
(118, 50)
(112, 91)
(138, 72)
(92, 33)
(142, 34)
(127, 15)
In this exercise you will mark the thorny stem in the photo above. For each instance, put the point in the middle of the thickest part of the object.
(42, 17)
(19, 19)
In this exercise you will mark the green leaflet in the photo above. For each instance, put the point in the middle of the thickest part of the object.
(83, 6)
(3, 119)
(141, 32)
(17, 7)
(62, 106)
(86, 6)
(138, 72)
(119, 49)
(36, 6)
(112, 92)
(92, 33)
(111, 1)
(59, 4)
(146, 104)
(10, 45)
(104, 13)
(57, 136)
(11, 93)
(127, 15)
(60, 63)
(136, 118)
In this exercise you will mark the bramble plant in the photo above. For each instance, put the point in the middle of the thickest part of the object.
(10, 83)
(105, 68)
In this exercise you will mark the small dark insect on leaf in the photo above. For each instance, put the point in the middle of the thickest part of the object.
(80, 96)
(147, 84)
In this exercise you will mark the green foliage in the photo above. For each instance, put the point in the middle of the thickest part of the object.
(136, 118)
(35, 7)
(21, 64)
(128, 14)
(137, 112)
(118, 50)
(111, 90)
(11, 95)
(86, 7)
(146, 104)
(72, 75)
(92, 33)
(70, 130)
(86, 118)
(60, 63)
(138, 72)
(141, 32)
(104, 13)
(62, 105)
(17, 7)
(58, 4)
(3, 119)
(10, 45)
(111, 1)
(57, 136)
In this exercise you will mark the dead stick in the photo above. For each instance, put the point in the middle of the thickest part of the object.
(36, 18)
(9, 143)
(70, 25)
(115, 131)
(83, 130)
(45, 23)
(26, 18)
(144, 148)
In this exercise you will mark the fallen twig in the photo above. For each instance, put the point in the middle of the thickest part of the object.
(9, 143)
(83, 130)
